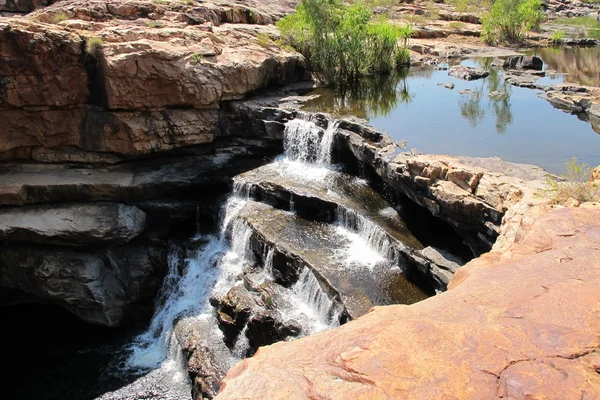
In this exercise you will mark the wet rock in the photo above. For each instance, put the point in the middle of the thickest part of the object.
(473, 203)
(76, 224)
(101, 287)
(234, 311)
(298, 243)
(205, 354)
(500, 307)
(268, 327)
(467, 73)
(447, 85)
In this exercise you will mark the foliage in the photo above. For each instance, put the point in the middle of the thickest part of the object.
(342, 41)
(457, 25)
(263, 40)
(93, 46)
(573, 185)
(56, 18)
(557, 36)
(196, 58)
(510, 20)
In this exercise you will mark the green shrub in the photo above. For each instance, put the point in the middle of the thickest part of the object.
(573, 185)
(510, 20)
(56, 18)
(457, 25)
(557, 36)
(341, 41)
(196, 58)
(93, 46)
(263, 40)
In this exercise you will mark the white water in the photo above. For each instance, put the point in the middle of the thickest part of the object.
(218, 266)
(372, 234)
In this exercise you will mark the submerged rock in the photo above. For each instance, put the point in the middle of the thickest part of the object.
(467, 73)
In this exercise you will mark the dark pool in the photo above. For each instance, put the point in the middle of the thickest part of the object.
(516, 126)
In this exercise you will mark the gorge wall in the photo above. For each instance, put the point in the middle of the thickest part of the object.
(116, 138)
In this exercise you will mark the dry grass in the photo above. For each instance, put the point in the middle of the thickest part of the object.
(573, 185)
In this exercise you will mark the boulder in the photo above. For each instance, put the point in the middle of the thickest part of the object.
(76, 224)
(506, 328)
(268, 327)
(525, 62)
(467, 73)
(102, 287)
(234, 311)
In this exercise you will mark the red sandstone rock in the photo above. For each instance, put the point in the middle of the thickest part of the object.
(516, 324)
(162, 70)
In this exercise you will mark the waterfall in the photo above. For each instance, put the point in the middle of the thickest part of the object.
(323, 311)
(305, 142)
(375, 237)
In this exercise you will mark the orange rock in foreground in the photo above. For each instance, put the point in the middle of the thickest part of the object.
(524, 323)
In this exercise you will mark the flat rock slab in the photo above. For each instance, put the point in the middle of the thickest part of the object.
(37, 183)
(77, 224)
(324, 249)
(327, 193)
(517, 324)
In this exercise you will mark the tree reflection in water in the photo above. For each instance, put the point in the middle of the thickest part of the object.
(492, 93)
(369, 97)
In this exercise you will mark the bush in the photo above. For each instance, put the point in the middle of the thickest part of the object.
(557, 36)
(341, 41)
(573, 185)
(196, 58)
(457, 25)
(93, 46)
(56, 18)
(263, 40)
(510, 20)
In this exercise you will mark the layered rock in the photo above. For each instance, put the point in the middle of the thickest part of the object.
(504, 323)
(125, 102)
(151, 79)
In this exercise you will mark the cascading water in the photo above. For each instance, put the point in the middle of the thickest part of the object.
(218, 266)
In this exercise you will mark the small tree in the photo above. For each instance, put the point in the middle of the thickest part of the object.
(511, 20)
(341, 41)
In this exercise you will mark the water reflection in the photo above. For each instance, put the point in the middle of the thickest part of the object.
(368, 98)
(490, 117)
(491, 93)
(579, 63)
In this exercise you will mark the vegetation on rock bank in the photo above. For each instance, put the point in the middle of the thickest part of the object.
(511, 20)
(344, 42)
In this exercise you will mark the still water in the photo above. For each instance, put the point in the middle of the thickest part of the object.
(512, 123)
